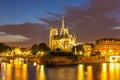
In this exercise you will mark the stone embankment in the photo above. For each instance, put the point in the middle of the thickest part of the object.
(74, 60)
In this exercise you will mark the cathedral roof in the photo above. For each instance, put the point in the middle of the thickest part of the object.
(62, 36)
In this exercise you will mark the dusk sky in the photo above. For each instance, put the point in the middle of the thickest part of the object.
(26, 22)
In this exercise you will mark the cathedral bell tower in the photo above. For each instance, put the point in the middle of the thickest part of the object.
(63, 41)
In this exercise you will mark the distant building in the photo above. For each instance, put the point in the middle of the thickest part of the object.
(108, 46)
(63, 41)
(17, 51)
(87, 48)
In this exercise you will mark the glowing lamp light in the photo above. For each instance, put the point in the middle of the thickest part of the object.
(17, 51)
(114, 58)
(34, 64)
(42, 68)
(110, 50)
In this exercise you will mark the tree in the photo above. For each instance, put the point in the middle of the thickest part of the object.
(2, 47)
(78, 48)
(5, 48)
(34, 49)
(8, 49)
(44, 47)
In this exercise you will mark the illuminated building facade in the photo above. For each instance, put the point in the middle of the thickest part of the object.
(64, 41)
(108, 46)
(87, 48)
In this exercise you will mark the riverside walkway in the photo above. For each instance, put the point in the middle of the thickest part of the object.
(62, 60)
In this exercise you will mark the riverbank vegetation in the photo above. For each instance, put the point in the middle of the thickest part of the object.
(43, 50)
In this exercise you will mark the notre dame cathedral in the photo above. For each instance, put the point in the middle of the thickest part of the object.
(64, 41)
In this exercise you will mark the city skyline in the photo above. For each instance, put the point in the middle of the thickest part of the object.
(28, 22)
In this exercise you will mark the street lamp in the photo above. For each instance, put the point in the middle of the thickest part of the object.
(111, 52)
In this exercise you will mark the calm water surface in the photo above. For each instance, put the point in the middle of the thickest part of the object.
(20, 71)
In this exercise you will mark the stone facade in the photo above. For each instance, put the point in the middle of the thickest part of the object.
(64, 41)
(108, 46)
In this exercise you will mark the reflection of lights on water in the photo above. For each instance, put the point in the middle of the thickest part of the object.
(80, 72)
(18, 60)
(112, 66)
(80, 66)
(112, 71)
(104, 66)
(25, 65)
(34, 64)
(24, 72)
(89, 68)
(18, 71)
(9, 71)
(4, 65)
(85, 73)
(89, 73)
(42, 73)
(3, 71)
(117, 66)
(37, 72)
(104, 74)
(42, 68)
(117, 70)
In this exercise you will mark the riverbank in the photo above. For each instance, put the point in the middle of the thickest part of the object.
(62, 60)
(57, 60)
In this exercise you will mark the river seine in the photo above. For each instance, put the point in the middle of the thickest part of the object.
(29, 71)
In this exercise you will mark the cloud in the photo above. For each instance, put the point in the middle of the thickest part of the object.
(94, 20)
(91, 21)
(26, 33)
(116, 28)
(2, 33)
(7, 38)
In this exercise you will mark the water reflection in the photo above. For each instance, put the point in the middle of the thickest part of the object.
(61, 72)
(114, 71)
(89, 73)
(40, 72)
(21, 71)
(13, 72)
(104, 73)
(9, 71)
(24, 72)
(3, 71)
(18, 72)
(117, 71)
(80, 72)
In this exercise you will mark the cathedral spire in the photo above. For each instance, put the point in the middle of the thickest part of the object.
(63, 26)
(63, 29)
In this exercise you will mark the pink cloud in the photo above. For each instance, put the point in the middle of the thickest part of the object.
(36, 32)
(88, 22)
(91, 21)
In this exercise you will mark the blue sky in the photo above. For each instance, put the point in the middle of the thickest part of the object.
(21, 21)
(20, 11)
